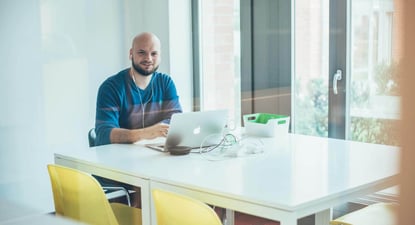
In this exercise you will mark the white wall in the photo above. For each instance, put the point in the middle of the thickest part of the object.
(171, 21)
(54, 55)
(180, 47)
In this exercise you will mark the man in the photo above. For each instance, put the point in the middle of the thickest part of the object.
(138, 102)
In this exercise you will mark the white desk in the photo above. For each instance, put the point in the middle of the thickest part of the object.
(300, 176)
(15, 214)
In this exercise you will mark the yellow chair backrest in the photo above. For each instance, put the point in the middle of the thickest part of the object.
(379, 213)
(181, 210)
(79, 196)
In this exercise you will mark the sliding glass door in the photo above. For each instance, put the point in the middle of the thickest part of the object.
(346, 83)
(374, 99)
(310, 95)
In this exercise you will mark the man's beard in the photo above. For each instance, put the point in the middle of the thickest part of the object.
(142, 71)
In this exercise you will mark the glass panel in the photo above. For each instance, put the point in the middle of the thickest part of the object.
(311, 67)
(220, 56)
(374, 100)
(373, 88)
(270, 82)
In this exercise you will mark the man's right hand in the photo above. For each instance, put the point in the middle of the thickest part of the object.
(121, 135)
(157, 130)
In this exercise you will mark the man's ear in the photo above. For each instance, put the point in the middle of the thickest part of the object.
(131, 54)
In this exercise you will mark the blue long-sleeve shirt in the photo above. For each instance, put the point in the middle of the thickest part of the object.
(121, 104)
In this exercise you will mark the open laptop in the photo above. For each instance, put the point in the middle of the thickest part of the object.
(191, 129)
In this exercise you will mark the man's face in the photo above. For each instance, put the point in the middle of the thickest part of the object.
(145, 57)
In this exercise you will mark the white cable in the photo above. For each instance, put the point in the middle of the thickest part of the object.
(143, 106)
(228, 146)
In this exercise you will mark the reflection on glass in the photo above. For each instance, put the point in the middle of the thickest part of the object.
(373, 91)
(374, 99)
(311, 67)
(220, 56)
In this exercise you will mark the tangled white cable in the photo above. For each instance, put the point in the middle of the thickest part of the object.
(220, 147)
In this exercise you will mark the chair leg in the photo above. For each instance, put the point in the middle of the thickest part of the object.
(122, 189)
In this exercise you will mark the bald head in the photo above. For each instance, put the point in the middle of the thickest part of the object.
(145, 53)
(146, 38)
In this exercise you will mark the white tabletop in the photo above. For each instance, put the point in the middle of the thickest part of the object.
(12, 213)
(298, 175)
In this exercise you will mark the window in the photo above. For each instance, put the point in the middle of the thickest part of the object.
(290, 53)
(374, 99)
(218, 80)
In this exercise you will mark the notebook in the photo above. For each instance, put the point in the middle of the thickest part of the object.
(191, 129)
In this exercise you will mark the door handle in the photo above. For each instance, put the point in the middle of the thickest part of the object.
(337, 76)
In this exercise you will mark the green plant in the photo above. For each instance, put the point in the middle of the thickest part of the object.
(312, 119)
(372, 130)
(359, 93)
(387, 79)
(312, 109)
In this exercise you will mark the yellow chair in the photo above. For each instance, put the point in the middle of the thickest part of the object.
(378, 213)
(181, 210)
(112, 189)
(79, 196)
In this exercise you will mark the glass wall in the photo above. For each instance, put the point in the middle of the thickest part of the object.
(372, 83)
(219, 57)
(310, 98)
(374, 97)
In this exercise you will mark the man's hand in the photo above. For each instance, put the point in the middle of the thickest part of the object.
(120, 135)
(157, 130)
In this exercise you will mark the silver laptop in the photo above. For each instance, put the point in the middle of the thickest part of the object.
(192, 129)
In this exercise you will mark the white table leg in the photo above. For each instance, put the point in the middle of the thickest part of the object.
(229, 217)
(324, 217)
(148, 215)
(288, 219)
(288, 222)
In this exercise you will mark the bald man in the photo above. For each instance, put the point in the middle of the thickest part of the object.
(138, 102)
